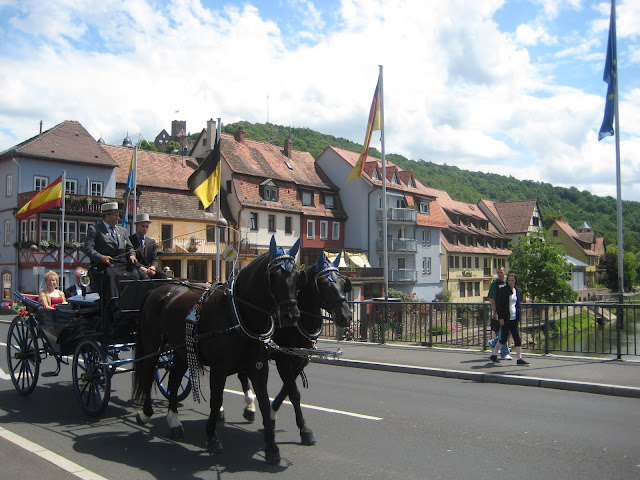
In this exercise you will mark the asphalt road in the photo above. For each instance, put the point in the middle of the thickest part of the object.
(368, 424)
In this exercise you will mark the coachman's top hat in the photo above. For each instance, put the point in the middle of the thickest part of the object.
(142, 217)
(109, 207)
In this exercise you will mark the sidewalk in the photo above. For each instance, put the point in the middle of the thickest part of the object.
(582, 374)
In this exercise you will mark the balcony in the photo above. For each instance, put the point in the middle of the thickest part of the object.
(399, 215)
(403, 276)
(74, 204)
(398, 245)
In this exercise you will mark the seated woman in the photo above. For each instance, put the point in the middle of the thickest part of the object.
(51, 296)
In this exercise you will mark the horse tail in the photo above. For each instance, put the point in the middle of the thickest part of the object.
(137, 377)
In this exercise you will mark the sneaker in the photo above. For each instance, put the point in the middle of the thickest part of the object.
(522, 362)
(506, 357)
(494, 358)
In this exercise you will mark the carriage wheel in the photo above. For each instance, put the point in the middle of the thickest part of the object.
(23, 355)
(91, 380)
(163, 368)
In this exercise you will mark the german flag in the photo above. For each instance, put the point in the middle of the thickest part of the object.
(375, 123)
(205, 181)
(48, 198)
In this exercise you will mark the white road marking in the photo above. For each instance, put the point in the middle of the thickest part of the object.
(59, 461)
(322, 409)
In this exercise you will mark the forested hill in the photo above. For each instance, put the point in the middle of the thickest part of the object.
(576, 206)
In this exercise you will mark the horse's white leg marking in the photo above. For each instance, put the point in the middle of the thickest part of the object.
(172, 420)
(144, 419)
(250, 400)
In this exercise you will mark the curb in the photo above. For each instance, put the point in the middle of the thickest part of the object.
(585, 387)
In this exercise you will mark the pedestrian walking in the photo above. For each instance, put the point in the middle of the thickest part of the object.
(496, 284)
(508, 307)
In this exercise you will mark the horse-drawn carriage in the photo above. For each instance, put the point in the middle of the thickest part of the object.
(80, 333)
(177, 329)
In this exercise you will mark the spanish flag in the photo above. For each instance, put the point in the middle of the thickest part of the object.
(48, 198)
(375, 123)
(205, 181)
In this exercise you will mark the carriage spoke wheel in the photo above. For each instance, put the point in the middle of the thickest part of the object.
(91, 380)
(163, 369)
(23, 356)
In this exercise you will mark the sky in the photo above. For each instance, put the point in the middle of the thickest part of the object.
(512, 87)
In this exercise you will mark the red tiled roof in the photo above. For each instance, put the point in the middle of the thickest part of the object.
(155, 169)
(515, 216)
(575, 236)
(461, 248)
(68, 141)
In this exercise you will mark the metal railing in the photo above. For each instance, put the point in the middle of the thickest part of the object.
(398, 245)
(578, 328)
(398, 215)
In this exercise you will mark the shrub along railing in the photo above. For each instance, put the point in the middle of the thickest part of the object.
(576, 328)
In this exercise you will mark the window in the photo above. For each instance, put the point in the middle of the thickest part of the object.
(70, 231)
(424, 208)
(554, 233)
(24, 232)
(402, 263)
(324, 230)
(476, 288)
(477, 262)
(39, 182)
(411, 183)
(71, 186)
(49, 230)
(375, 175)
(455, 239)
(469, 289)
(228, 186)
(462, 290)
(9, 185)
(457, 261)
(166, 233)
(464, 262)
(328, 200)
(426, 265)
(335, 231)
(96, 189)
(271, 193)
(254, 221)
(426, 238)
(272, 223)
(7, 232)
(468, 262)
(211, 233)
(451, 261)
(311, 229)
(82, 231)
(307, 198)
(287, 225)
(535, 221)
(466, 240)
(394, 179)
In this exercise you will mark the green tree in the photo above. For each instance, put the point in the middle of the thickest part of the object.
(144, 145)
(171, 146)
(629, 263)
(542, 270)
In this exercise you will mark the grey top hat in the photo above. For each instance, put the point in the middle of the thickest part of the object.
(109, 207)
(142, 217)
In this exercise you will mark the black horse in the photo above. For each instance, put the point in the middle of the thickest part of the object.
(235, 323)
(325, 288)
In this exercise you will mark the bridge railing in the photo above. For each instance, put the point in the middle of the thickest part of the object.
(576, 328)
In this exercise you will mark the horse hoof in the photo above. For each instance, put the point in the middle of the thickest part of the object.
(139, 420)
(272, 457)
(176, 433)
(307, 438)
(215, 446)
(249, 416)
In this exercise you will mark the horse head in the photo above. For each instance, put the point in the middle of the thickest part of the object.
(332, 287)
(284, 279)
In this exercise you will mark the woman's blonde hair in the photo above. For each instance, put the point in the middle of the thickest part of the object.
(50, 274)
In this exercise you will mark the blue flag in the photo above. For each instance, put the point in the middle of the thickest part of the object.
(127, 191)
(610, 76)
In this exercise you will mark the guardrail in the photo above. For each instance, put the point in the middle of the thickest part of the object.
(577, 328)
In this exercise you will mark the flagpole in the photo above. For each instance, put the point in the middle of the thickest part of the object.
(134, 189)
(64, 178)
(385, 253)
(614, 53)
(218, 134)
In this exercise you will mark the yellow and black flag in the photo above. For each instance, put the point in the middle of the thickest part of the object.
(205, 181)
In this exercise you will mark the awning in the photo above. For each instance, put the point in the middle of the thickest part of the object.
(332, 258)
(358, 260)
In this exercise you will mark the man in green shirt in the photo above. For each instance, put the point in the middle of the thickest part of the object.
(495, 326)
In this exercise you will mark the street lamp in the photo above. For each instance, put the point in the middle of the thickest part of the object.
(222, 223)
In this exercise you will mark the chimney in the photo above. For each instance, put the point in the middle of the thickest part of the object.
(288, 145)
(239, 135)
(211, 133)
(40, 127)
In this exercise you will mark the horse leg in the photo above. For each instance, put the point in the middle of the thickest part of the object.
(249, 413)
(259, 379)
(176, 431)
(144, 373)
(217, 380)
(289, 369)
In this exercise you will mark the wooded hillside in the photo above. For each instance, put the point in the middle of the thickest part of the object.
(576, 206)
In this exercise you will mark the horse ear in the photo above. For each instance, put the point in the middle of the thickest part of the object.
(336, 262)
(273, 248)
(293, 251)
(321, 262)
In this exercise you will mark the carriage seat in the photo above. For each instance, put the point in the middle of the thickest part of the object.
(30, 301)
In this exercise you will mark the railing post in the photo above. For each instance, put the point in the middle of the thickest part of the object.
(546, 330)
(430, 325)
(485, 315)
(619, 326)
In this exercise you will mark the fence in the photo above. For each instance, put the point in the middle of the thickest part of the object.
(577, 328)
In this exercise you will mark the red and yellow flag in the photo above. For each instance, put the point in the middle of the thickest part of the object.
(375, 123)
(47, 198)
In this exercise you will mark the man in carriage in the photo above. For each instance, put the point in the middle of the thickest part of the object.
(111, 254)
(145, 249)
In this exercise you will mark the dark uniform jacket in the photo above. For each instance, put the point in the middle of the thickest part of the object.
(148, 254)
(100, 242)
